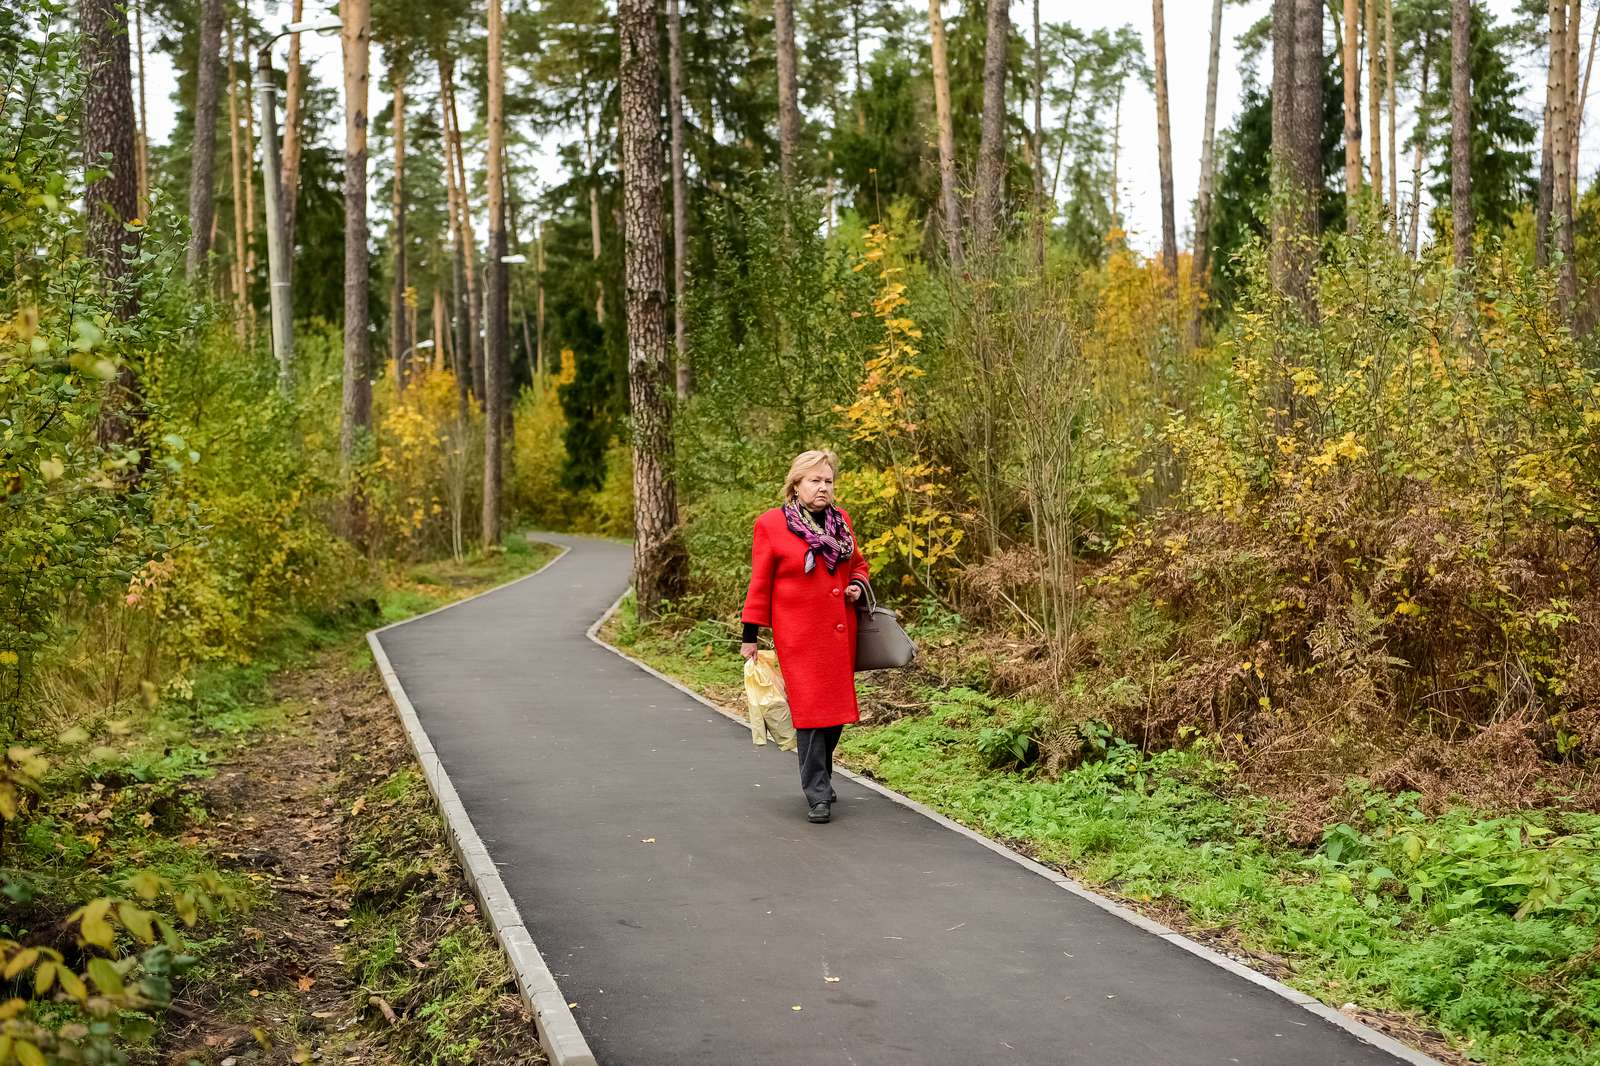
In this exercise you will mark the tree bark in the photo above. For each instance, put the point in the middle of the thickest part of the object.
(356, 408)
(788, 92)
(949, 207)
(1461, 128)
(239, 282)
(594, 219)
(1574, 104)
(1388, 77)
(399, 333)
(142, 145)
(1203, 200)
(467, 239)
(1169, 210)
(1560, 134)
(111, 200)
(1296, 146)
(1038, 139)
(1414, 236)
(1352, 116)
(496, 361)
(1374, 104)
(294, 90)
(659, 562)
(991, 142)
(203, 153)
(680, 206)
(247, 152)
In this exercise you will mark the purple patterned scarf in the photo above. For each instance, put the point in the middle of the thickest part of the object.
(833, 541)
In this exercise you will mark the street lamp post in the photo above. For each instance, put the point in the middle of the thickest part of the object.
(278, 295)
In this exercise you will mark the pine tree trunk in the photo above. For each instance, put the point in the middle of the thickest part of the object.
(466, 237)
(114, 198)
(1352, 117)
(538, 324)
(239, 295)
(1574, 105)
(1116, 160)
(1169, 210)
(142, 145)
(680, 205)
(247, 152)
(1560, 134)
(657, 553)
(203, 154)
(991, 142)
(950, 210)
(1461, 128)
(594, 220)
(289, 184)
(399, 333)
(1394, 157)
(1374, 104)
(1296, 146)
(1414, 235)
(1203, 200)
(439, 335)
(788, 91)
(356, 408)
(495, 361)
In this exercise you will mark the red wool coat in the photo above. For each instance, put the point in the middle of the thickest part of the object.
(813, 625)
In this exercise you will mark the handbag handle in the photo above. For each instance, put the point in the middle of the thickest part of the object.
(869, 599)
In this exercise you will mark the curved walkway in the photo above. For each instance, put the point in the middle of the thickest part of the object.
(665, 869)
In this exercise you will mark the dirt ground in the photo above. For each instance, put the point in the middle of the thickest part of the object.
(289, 810)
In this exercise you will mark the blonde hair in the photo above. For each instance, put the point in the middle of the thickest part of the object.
(803, 464)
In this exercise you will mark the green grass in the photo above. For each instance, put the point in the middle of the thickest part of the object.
(1483, 926)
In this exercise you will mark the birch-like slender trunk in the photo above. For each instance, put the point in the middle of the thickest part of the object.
(950, 210)
(1560, 134)
(1388, 79)
(468, 241)
(1038, 140)
(1414, 231)
(594, 218)
(237, 272)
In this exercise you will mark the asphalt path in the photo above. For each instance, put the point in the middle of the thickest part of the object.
(667, 873)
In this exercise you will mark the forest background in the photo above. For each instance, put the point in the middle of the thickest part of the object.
(1254, 577)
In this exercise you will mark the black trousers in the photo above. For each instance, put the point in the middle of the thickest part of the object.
(815, 747)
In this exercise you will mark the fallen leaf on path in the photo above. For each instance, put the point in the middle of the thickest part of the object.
(831, 980)
(255, 993)
(304, 983)
(146, 819)
(302, 1054)
(647, 840)
(797, 1007)
(359, 805)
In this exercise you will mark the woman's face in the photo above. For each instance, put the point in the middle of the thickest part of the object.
(816, 487)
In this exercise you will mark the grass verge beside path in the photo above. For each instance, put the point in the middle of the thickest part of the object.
(349, 934)
(1469, 935)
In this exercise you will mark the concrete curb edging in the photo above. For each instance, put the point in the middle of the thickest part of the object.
(1360, 1030)
(559, 1035)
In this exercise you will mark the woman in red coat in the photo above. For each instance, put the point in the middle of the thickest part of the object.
(806, 575)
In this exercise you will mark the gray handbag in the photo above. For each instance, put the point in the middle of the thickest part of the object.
(881, 642)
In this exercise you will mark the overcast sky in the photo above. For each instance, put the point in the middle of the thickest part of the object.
(1188, 32)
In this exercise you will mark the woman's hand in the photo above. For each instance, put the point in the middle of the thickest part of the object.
(748, 650)
(852, 593)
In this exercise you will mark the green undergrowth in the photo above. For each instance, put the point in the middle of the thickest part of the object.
(416, 942)
(1482, 926)
(119, 802)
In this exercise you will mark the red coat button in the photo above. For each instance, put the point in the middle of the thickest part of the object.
(838, 627)
(836, 592)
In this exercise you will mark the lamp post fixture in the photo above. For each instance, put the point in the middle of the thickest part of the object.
(279, 298)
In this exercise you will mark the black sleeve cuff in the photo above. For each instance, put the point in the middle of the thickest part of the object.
(751, 632)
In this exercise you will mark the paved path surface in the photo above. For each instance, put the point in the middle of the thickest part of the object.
(696, 948)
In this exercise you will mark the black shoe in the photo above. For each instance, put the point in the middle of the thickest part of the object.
(819, 813)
